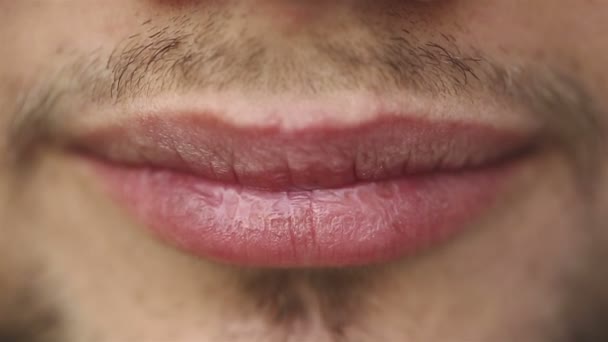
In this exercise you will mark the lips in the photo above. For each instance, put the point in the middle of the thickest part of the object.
(318, 196)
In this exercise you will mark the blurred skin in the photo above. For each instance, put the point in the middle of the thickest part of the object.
(75, 267)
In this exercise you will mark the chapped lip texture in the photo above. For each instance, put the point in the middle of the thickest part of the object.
(315, 197)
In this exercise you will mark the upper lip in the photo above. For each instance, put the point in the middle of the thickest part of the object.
(323, 156)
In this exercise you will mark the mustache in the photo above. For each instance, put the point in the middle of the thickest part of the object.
(190, 56)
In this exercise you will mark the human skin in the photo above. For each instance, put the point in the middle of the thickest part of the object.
(76, 267)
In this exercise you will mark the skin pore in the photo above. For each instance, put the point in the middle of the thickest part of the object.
(75, 267)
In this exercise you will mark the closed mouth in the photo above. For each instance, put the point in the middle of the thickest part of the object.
(320, 196)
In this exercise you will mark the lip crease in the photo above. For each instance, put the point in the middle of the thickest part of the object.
(323, 196)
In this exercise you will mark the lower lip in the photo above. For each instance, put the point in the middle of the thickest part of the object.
(357, 225)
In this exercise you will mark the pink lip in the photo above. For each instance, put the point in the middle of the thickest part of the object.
(316, 197)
